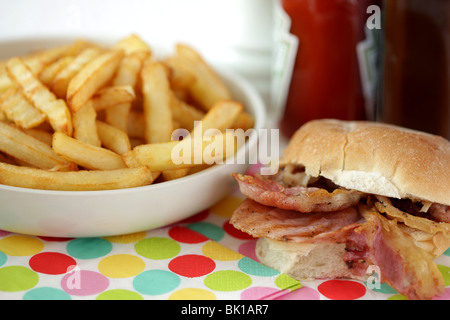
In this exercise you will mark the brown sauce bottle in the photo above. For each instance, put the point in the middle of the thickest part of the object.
(416, 80)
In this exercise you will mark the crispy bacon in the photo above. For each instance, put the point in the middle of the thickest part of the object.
(370, 238)
(372, 234)
(303, 199)
(286, 225)
(440, 212)
(407, 268)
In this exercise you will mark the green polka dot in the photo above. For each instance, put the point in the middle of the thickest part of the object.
(155, 282)
(209, 230)
(445, 274)
(227, 280)
(397, 297)
(119, 294)
(252, 267)
(3, 258)
(89, 248)
(283, 282)
(157, 248)
(17, 278)
(46, 293)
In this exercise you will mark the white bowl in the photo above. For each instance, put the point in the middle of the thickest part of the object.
(115, 212)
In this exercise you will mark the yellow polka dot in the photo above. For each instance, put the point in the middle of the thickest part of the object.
(226, 206)
(127, 238)
(216, 251)
(121, 266)
(192, 294)
(17, 245)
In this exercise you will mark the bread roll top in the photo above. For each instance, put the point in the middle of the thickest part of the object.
(374, 158)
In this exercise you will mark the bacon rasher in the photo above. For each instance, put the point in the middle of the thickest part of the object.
(303, 199)
(313, 215)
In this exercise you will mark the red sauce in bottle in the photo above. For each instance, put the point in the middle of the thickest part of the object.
(326, 80)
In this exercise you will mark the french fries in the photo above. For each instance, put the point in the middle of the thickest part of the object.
(24, 147)
(18, 110)
(208, 88)
(112, 96)
(160, 156)
(40, 96)
(50, 73)
(184, 113)
(128, 74)
(113, 138)
(86, 155)
(83, 180)
(91, 78)
(83, 117)
(221, 116)
(85, 126)
(133, 44)
(62, 79)
(157, 100)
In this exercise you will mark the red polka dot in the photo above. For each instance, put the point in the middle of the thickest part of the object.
(55, 239)
(186, 235)
(342, 289)
(202, 215)
(52, 263)
(232, 231)
(192, 265)
(4, 233)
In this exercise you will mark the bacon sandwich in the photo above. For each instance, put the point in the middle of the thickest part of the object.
(350, 198)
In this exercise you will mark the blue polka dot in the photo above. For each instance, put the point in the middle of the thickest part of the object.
(46, 293)
(89, 248)
(447, 252)
(3, 258)
(252, 267)
(155, 282)
(383, 288)
(209, 230)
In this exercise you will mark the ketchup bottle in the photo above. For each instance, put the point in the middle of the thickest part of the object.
(334, 70)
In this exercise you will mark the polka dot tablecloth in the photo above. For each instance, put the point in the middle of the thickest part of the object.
(181, 261)
(202, 258)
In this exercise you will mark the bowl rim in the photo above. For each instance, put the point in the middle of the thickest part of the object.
(241, 84)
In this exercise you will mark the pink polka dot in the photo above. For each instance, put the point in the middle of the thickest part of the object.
(258, 293)
(342, 289)
(248, 249)
(254, 169)
(192, 265)
(304, 293)
(84, 282)
(444, 296)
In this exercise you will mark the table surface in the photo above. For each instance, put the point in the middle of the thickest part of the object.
(202, 257)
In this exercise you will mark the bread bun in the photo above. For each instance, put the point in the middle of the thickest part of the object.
(374, 158)
(305, 261)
